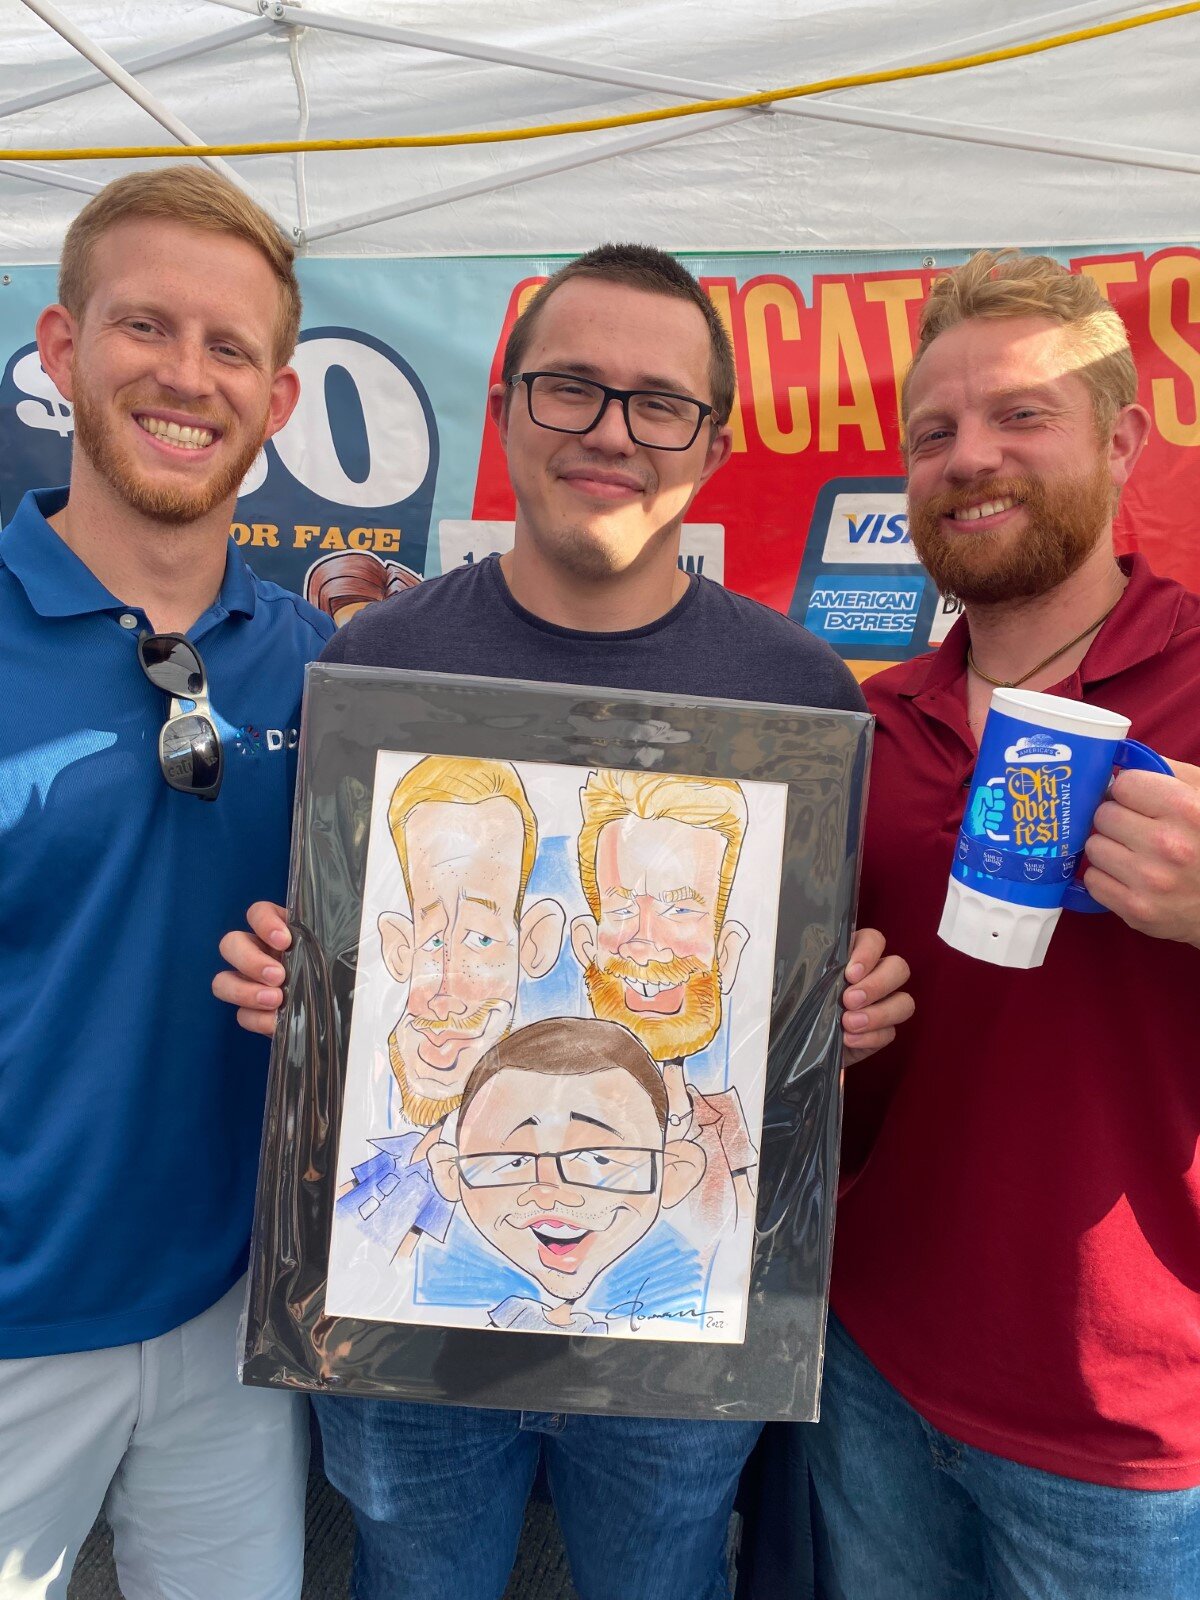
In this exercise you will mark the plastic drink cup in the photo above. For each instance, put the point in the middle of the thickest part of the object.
(1044, 765)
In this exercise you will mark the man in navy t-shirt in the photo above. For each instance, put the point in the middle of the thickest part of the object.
(148, 722)
(618, 386)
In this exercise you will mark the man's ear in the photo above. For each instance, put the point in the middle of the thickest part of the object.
(540, 937)
(285, 391)
(733, 940)
(396, 937)
(719, 448)
(1130, 433)
(683, 1167)
(583, 940)
(56, 338)
(443, 1163)
(498, 409)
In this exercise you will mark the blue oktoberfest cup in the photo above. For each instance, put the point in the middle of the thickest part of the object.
(1045, 764)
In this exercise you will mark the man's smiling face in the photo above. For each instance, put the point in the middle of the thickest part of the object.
(1010, 486)
(563, 1232)
(173, 373)
(593, 503)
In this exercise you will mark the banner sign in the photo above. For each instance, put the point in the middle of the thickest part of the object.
(390, 471)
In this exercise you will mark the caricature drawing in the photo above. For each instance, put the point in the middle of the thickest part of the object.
(547, 1141)
(562, 1161)
(657, 860)
(466, 839)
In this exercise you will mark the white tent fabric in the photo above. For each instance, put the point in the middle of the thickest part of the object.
(1092, 142)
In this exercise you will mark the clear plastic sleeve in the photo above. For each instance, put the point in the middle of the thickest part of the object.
(554, 1102)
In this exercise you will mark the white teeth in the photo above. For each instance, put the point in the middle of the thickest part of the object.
(562, 1232)
(189, 438)
(989, 508)
(646, 990)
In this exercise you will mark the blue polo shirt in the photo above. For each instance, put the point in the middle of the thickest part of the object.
(130, 1101)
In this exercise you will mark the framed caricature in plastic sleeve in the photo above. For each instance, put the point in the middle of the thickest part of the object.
(554, 1101)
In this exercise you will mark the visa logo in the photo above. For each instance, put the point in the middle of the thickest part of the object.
(876, 528)
(868, 530)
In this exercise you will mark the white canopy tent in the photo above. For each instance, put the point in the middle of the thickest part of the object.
(1093, 142)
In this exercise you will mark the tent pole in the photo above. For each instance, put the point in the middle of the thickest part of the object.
(112, 69)
(525, 174)
(35, 172)
(497, 55)
(999, 138)
(161, 58)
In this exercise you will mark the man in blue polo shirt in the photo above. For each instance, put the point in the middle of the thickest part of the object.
(147, 731)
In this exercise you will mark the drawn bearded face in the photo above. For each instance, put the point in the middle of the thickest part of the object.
(464, 947)
(657, 959)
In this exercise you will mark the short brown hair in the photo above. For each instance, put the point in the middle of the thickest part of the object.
(570, 1047)
(638, 266)
(189, 194)
(1005, 283)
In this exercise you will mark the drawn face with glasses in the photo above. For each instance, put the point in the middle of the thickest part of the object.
(189, 746)
(609, 427)
(564, 1174)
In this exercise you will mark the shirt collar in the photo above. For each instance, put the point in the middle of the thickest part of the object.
(58, 584)
(1139, 626)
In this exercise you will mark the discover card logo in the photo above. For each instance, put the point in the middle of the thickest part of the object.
(868, 530)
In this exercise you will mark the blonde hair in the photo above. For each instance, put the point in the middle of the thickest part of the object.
(609, 795)
(461, 780)
(1005, 283)
(199, 198)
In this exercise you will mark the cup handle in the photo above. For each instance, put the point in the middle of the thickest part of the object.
(1131, 755)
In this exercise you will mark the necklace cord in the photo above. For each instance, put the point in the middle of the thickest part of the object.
(1015, 683)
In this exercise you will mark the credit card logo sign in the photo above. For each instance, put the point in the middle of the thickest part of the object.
(946, 614)
(879, 611)
(868, 530)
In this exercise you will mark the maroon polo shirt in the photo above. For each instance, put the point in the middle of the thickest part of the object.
(1018, 1235)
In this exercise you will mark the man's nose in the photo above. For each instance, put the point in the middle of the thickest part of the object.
(977, 451)
(183, 367)
(445, 1004)
(609, 431)
(548, 1191)
(643, 936)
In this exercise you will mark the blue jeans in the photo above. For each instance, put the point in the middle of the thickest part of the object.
(439, 1493)
(908, 1513)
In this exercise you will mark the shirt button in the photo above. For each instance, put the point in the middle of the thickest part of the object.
(128, 620)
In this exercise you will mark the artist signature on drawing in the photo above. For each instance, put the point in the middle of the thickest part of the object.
(635, 1309)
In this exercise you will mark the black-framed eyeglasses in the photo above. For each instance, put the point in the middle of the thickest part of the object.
(189, 746)
(655, 418)
(616, 1169)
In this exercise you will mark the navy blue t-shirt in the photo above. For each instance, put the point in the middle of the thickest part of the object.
(712, 642)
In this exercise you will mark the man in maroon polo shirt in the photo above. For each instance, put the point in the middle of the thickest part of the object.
(1012, 1392)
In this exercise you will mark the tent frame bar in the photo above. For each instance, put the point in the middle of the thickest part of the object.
(644, 140)
(112, 69)
(160, 58)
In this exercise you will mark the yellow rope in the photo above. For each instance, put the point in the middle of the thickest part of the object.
(694, 108)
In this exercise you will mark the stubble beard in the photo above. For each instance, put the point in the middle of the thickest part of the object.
(97, 437)
(1065, 520)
